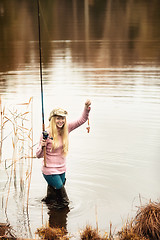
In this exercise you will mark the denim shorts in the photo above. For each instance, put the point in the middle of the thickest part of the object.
(55, 180)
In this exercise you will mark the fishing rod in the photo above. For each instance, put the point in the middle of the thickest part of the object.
(40, 61)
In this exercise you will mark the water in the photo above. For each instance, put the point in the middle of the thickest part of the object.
(105, 51)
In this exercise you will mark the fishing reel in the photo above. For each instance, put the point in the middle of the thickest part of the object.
(45, 135)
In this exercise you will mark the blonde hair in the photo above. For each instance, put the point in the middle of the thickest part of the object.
(63, 133)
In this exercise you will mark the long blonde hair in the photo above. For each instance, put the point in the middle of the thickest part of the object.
(63, 133)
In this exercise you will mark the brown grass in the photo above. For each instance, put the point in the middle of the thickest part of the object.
(147, 221)
(91, 234)
(3, 229)
(145, 225)
(52, 233)
(6, 231)
(128, 233)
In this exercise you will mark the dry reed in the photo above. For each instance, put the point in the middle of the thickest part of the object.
(90, 233)
(3, 229)
(128, 233)
(145, 225)
(1, 129)
(52, 233)
(2, 112)
(147, 221)
(20, 120)
(6, 232)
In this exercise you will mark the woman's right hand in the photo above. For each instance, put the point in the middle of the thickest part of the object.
(43, 143)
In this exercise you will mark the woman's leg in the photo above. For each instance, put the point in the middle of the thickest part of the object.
(56, 183)
(56, 180)
(63, 177)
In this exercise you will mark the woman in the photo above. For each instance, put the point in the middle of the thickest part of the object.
(56, 145)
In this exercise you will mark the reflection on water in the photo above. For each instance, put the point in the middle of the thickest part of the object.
(107, 51)
(128, 31)
(58, 217)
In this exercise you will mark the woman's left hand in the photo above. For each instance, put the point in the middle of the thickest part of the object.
(87, 104)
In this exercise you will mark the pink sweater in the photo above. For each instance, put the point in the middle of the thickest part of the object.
(55, 161)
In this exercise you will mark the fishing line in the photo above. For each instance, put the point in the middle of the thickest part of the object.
(40, 61)
(43, 18)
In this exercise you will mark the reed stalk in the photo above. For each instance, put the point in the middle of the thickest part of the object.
(2, 110)
(22, 147)
(1, 130)
(42, 213)
(21, 167)
(15, 143)
(30, 136)
(10, 180)
(96, 218)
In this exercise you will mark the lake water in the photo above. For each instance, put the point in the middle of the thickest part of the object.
(105, 51)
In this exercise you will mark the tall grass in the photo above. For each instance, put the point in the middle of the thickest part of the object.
(2, 110)
(16, 148)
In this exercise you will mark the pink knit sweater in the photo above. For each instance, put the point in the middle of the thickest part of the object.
(55, 161)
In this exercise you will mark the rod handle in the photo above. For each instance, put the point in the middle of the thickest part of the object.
(44, 148)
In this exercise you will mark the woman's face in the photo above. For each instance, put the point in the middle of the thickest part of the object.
(60, 121)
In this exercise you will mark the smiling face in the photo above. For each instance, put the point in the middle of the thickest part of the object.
(60, 121)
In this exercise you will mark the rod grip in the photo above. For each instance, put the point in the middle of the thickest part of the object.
(44, 148)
